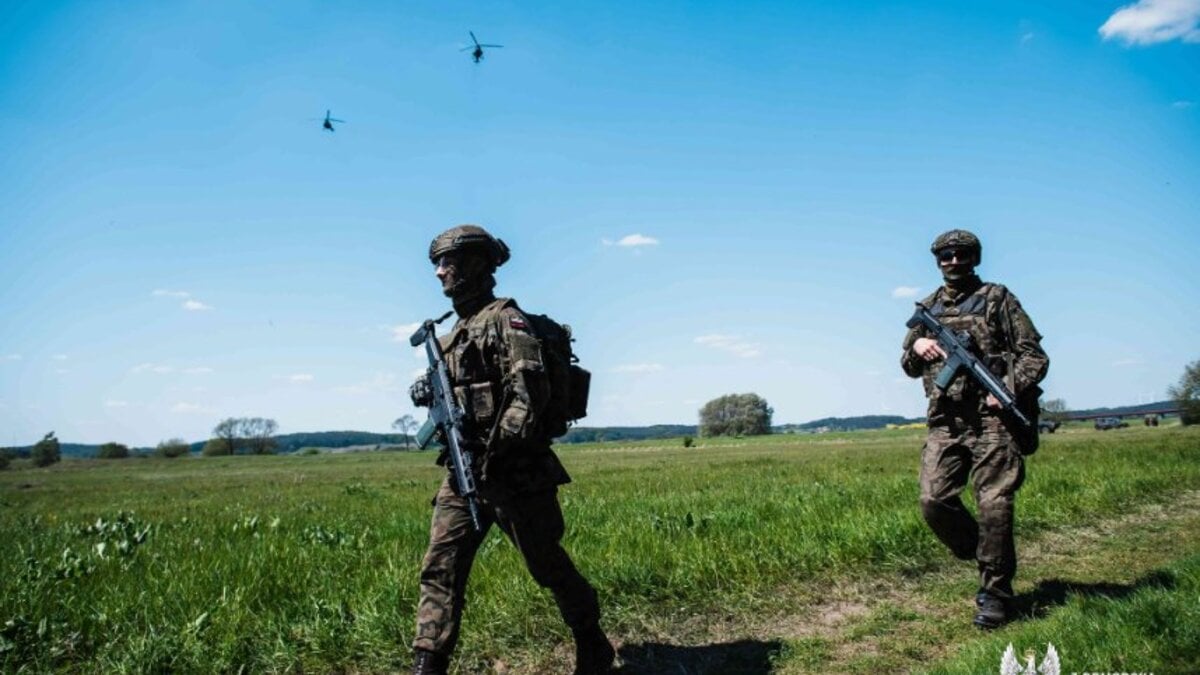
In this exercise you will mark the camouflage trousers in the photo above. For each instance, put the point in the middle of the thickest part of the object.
(983, 450)
(533, 523)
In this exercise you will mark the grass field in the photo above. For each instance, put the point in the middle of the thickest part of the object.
(780, 554)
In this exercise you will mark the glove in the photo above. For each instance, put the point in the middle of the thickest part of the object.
(421, 392)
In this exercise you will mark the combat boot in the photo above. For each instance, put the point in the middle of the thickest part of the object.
(990, 610)
(428, 663)
(594, 654)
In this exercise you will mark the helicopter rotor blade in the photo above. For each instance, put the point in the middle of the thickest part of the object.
(491, 45)
(334, 119)
(473, 37)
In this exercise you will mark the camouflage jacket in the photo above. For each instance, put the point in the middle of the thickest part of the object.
(496, 370)
(1004, 338)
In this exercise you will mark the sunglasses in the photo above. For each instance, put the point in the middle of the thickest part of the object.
(950, 254)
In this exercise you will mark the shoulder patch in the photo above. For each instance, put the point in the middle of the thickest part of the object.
(517, 323)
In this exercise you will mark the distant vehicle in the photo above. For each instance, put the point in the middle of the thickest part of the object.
(1048, 426)
(327, 125)
(1106, 423)
(477, 50)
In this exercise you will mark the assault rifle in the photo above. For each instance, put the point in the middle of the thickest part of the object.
(958, 355)
(446, 416)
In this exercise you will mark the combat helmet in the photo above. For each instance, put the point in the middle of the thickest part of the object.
(462, 237)
(957, 239)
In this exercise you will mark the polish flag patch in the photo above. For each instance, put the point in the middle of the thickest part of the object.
(518, 323)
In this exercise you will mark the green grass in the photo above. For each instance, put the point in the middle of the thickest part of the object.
(310, 562)
(1152, 624)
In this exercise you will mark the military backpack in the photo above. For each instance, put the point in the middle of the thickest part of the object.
(569, 382)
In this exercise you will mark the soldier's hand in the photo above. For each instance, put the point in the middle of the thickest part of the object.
(993, 402)
(928, 349)
(421, 392)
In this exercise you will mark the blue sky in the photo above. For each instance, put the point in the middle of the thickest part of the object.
(718, 197)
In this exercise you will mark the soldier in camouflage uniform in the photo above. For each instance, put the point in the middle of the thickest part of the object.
(968, 434)
(496, 369)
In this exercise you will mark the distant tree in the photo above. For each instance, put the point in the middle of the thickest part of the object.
(217, 447)
(257, 434)
(1055, 410)
(405, 424)
(172, 447)
(228, 431)
(6, 456)
(1187, 394)
(687, 441)
(736, 415)
(113, 451)
(46, 451)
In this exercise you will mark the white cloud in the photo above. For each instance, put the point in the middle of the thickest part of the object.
(59, 357)
(905, 291)
(631, 240)
(11, 357)
(401, 332)
(62, 371)
(112, 403)
(189, 408)
(300, 377)
(733, 344)
(164, 293)
(198, 370)
(1026, 37)
(639, 368)
(1147, 22)
(195, 306)
(1183, 105)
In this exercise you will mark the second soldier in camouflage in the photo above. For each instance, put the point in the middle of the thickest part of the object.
(969, 437)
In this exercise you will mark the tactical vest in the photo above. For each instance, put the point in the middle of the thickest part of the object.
(478, 366)
(977, 315)
(472, 351)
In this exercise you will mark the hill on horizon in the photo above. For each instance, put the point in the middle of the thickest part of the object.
(344, 439)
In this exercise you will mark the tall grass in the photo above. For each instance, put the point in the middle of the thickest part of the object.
(310, 562)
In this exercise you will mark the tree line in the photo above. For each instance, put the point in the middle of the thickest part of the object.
(729, 415)
(242, 435)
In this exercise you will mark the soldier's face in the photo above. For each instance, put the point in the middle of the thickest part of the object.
(956, 261)
(460, 273)
(447, 271)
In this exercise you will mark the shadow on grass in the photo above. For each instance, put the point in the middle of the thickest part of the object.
(1051, 593)
(744, 657)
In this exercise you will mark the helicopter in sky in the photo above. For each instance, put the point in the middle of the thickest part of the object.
(477, 50)
(327, 124)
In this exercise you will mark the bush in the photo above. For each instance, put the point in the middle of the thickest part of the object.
(1187, 394)
(687, 441)
(46, 451)
(113, 451)
(6, 456)
(217, 447)
(173, 447)
(736, 415)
